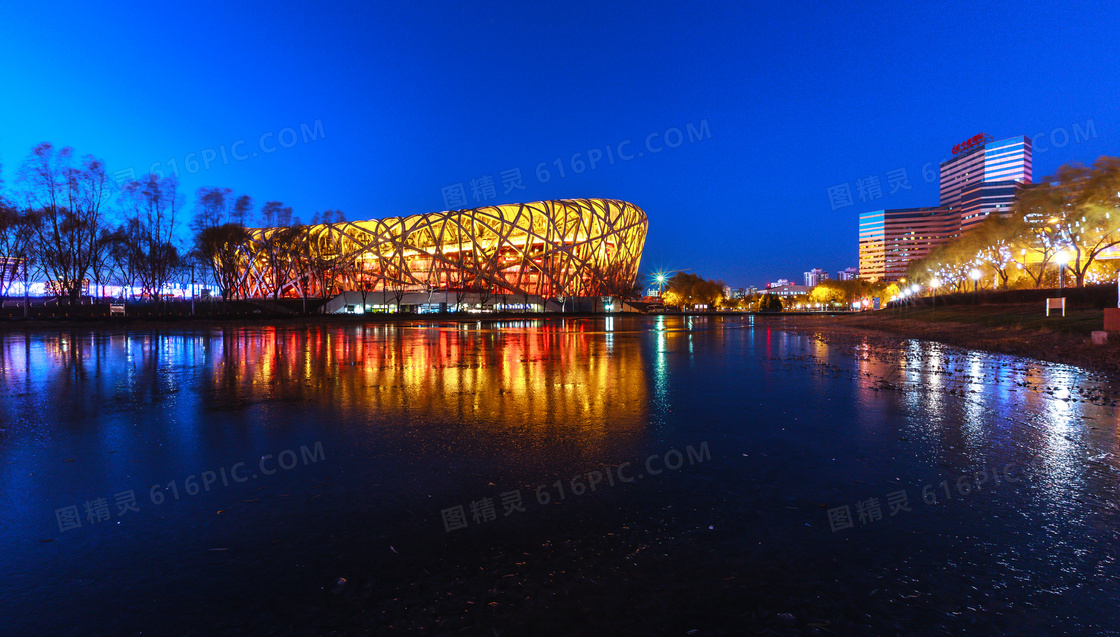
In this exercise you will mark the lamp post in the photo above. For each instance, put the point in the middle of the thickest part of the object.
(933, 286)
(660, 284)
(1062, 258)
(975, 274)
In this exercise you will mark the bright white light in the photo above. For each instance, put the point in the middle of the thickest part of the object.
(975, 274)
(934, 283)
(1062, 258)
(914, 288)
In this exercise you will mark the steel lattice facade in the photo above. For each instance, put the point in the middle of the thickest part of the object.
(568, 247)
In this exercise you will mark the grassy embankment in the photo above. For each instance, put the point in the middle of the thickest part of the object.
(1008, 323)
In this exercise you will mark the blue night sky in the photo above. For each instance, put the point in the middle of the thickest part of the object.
(421, 96)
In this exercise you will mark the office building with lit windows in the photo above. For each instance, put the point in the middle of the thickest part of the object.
(890, 239)
(982, 178)
(814, 277)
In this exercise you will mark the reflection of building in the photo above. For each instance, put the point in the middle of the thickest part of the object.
(814, 277)
(564, 248)
(982, 178)
(505, 376)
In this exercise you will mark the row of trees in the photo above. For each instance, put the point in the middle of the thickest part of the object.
(690, 290)
(844, 293)
(1068, 220)
(65, 220)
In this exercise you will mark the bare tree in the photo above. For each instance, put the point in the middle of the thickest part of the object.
(124, 252)
(241, 209)
(276, 214)
(211, 208)
(300, 255)
(71, 200)
(103, 265)
(223, 249)
(155, 202)
(17, 236)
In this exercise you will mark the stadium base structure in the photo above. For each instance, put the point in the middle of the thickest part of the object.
(471, 302)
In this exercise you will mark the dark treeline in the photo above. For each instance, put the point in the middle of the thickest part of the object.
(64, 220)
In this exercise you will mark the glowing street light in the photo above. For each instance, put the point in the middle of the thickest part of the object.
(975, 274)
(1062, 258)
(660, 278)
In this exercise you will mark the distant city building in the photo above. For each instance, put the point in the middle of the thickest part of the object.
(738, 293)
(778, 283)
(752, 290)
(787, 289)
(814, 277)
(982, 178)
(847, 274)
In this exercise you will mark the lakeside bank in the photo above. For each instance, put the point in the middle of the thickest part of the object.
(1015, 330)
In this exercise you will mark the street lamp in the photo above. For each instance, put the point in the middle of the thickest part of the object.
(1062, 258)
(660, 278)
(975, 274)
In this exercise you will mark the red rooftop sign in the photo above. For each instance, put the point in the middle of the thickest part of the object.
(971, 142)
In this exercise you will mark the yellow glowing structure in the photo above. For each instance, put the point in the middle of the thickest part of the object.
(568, 247)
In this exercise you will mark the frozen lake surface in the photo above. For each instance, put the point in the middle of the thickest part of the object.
(646, 475)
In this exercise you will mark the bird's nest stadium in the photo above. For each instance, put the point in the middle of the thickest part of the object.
(548, 249)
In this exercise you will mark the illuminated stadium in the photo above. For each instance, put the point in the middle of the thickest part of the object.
(548, 249)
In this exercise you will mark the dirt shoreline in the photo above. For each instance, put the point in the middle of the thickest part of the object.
(1041, 344)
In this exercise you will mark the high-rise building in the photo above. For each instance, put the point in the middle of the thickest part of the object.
(890, 239)
(815, 276)
(981, 179)
(847, 274)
